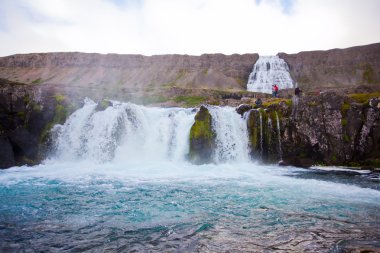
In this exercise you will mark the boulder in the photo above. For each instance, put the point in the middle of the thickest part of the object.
(202, 138)
(241, 109)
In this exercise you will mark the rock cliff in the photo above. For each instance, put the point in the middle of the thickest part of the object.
(328, 129)
(336, 68)
(129, 72)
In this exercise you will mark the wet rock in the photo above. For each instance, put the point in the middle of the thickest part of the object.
(356, 246)
(241, 109)
(24, 144)
(202, 138)
(102, 105)
(6, 153)
(296, 162)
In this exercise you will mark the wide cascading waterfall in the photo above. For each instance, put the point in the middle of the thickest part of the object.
(231, 135)
(269, 70)
(125, 132)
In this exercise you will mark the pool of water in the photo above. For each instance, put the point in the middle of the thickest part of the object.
(166, 207)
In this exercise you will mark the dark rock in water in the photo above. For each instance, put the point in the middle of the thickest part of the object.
(102, 105)
(241, 109)
(202, 138)
(6, 153)
(296, 162)
(24, 144)
(355, 246)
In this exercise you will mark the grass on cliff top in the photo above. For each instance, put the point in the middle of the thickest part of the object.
(189, 100)
(273, 101)
(363, 97)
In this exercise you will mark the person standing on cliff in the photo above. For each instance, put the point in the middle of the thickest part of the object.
(274, 90)
(297, 92)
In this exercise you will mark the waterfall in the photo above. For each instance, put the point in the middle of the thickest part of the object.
(128, 132)
(231, 135)
(125, 131)
(269, 70)
(279, 136)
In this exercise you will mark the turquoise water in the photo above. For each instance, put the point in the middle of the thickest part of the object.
(166, 207)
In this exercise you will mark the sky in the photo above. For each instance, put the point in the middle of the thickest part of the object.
(193, 27)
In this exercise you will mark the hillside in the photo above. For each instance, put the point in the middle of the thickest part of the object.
(128, 77)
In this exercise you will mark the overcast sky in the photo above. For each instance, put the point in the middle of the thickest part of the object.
(186, 26)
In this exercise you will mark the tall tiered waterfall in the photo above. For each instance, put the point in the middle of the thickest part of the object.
(269, 70)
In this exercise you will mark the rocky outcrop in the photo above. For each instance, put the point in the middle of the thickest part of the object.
(202, 138)
(26, 116)
(336, 68)
(332, 129)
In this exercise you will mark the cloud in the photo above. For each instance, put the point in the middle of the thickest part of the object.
(186, 27)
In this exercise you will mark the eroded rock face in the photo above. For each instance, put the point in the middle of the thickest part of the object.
(331, 129)
(202, 138)
(26, 116)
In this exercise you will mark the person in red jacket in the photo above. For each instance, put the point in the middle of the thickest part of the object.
(274, 90)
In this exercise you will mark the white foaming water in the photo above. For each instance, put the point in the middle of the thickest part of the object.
(231, 135)
(125, 132)
(269, 70)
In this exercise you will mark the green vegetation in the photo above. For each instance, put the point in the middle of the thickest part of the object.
(312, 103)
(37, 81)
(346, 138)
(344, 122)
(202, 127)
(345, 107)
(276, 101)
(59, 98)
(201, 137)
(189, 100)
(147, 100)
(363, 97)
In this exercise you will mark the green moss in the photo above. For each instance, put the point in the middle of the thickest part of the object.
(153, 99)
(103, 105)
(21, 114)
(37, 81)
(59, 98)
(334, 158)
(201, 137)
(275, 101)
(205, 71)
(354, 164)
(36, 107)
(189, 100)
(312, 103)
(346, 138)
(345, 107)
(60, 115)
(344, 122)
(202, 128)
(363, 97)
